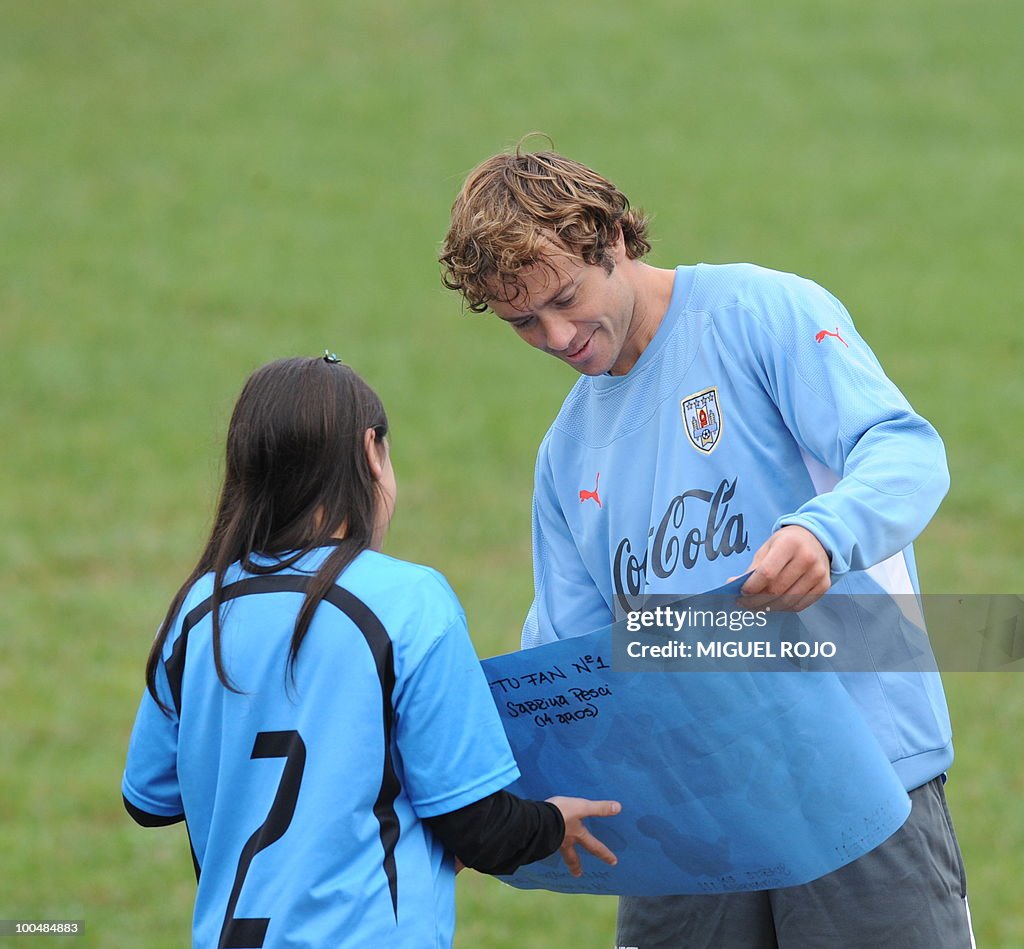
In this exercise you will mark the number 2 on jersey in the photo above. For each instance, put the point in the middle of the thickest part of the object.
(250, 933)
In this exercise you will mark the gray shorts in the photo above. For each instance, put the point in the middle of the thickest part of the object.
(909, 892)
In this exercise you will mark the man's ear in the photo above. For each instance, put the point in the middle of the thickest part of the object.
(374, 453)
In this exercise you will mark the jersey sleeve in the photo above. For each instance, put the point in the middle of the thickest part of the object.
(451, 741)
(150, 780)
(566, 601)
(886, 463)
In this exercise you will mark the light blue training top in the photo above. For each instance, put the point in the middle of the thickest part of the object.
(756, 405)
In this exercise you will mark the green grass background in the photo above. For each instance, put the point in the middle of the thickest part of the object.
(188, 190)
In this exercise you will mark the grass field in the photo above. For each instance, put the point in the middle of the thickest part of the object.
(188, 190)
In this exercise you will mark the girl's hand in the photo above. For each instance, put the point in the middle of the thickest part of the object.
(574, 810)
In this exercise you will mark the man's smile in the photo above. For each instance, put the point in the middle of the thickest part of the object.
(582, 352)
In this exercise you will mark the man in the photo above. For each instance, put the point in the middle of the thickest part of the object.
(728, 419)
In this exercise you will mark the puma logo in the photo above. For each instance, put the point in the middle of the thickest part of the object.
(592, 495)
(821, 334)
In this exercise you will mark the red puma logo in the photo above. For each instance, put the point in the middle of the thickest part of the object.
(592, 495)
(821, 334)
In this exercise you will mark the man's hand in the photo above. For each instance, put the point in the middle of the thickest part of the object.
(790, 572)
(574, 809)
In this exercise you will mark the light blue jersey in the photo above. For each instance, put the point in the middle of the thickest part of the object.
(305, 803)
(756, 405)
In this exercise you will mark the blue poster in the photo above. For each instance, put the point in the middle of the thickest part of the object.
(729, 781)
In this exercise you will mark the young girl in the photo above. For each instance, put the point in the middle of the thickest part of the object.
(315, 711)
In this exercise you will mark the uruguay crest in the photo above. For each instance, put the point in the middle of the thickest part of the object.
(702, 419)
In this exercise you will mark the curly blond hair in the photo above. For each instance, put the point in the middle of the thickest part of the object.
(513, 206)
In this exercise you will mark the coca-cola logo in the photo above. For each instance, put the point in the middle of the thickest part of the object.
(717, 533)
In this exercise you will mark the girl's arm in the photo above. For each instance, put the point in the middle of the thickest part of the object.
(502, 832)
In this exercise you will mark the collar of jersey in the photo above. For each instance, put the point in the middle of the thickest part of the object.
(302, 564)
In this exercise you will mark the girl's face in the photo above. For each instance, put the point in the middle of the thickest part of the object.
(379, 453)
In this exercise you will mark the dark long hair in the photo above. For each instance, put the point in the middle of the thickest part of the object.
(296, 471)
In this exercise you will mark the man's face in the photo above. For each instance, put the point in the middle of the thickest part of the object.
(580, 313)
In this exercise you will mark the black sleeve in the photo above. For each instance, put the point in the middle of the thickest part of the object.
(501, 832)
(149, 820)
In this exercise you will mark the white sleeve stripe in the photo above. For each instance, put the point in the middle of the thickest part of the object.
(892, 574)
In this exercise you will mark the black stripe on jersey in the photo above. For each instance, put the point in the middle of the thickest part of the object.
(383, 656)
(192, 850)
(381, 649)
(175, 664)
(146, 819)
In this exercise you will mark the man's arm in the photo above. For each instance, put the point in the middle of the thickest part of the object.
(567, 602)
(887, 463)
